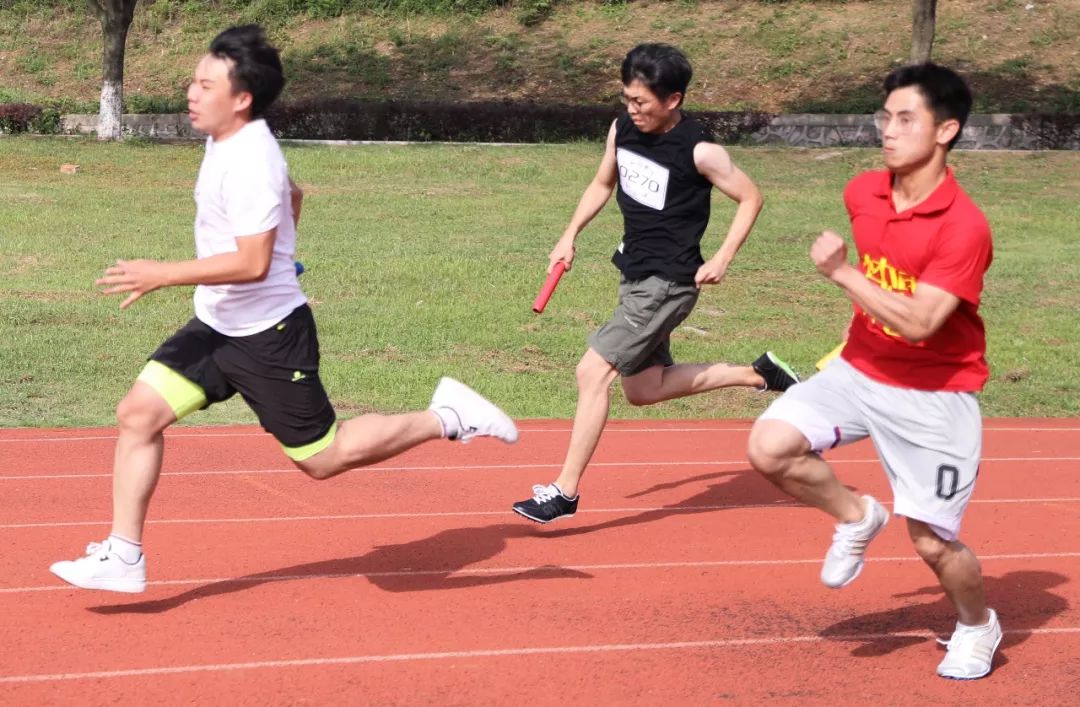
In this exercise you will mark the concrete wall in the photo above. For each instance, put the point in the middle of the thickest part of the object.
(982, 132)
(157, 127)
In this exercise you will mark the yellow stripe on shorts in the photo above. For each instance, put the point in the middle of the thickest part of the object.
(307, 451)
(182, 395)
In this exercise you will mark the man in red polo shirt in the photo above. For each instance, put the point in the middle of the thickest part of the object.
(913, 360)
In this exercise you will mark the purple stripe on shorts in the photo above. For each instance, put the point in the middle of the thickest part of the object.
(836, 435)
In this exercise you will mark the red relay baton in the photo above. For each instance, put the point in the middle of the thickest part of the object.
(549, 286)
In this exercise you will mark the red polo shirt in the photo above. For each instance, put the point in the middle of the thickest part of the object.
(944, 242)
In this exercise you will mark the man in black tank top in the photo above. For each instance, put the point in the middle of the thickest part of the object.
(665, 165)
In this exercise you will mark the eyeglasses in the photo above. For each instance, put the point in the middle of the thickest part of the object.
(636, 102)
(905, 122)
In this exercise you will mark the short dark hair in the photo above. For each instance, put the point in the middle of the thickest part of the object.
(256, 66)
(661, 67)
(946, 94)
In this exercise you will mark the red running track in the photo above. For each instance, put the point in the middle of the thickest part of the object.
(684, 578)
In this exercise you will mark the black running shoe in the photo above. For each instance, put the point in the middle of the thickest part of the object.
(778, 375)
(547, 504)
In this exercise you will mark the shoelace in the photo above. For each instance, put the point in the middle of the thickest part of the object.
(846, 541)
(963, 637)
(543, 493)
(94, 548)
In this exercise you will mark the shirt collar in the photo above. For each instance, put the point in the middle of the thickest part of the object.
(939, 200)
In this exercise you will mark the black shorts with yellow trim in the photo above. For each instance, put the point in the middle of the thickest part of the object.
(276, 372)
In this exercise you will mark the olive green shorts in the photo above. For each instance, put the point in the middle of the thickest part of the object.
(638, 334)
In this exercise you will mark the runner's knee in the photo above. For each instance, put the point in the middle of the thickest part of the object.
(321, 466)
(932, 548)
(772, 448)
(319, 472)
(636, 393)
(593, 373)
(139, 414)
(344, 451)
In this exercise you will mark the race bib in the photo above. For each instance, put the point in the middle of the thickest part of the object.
(641, 179)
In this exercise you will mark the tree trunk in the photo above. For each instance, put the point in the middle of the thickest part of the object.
(923, 16)
(115, 17)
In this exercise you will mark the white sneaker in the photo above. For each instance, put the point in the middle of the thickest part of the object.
(971, 650)
(102, 568)
(844, 560)
(477, 416)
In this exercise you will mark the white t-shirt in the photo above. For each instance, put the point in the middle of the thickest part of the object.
(243, 190)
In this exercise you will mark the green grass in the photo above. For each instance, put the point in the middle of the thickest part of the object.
(781, 56)
(423, 261)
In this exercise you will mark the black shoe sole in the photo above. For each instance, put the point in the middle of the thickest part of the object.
(541, 521)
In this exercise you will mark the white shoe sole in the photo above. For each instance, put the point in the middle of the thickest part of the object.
(541, 521)
(109, 584)
(980, 675)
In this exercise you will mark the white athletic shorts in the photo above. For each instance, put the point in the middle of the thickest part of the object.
(929, 442)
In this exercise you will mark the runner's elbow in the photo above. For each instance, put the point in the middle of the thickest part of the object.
(916, 332)
(254, 271)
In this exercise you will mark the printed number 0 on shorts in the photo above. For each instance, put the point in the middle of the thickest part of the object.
(948, 477)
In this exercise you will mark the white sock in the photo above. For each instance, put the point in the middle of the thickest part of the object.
(128, 550)
(982, 625)
(451, 423)
(867, 514)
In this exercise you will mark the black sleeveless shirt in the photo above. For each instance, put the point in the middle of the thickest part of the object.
(664, 200)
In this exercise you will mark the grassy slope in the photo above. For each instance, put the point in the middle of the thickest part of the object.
(772, 56)
(423, 260)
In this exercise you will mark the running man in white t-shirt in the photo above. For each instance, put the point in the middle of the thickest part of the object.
(253, 332)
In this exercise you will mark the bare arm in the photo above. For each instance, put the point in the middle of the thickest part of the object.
(296, 196)
(714, 163)
(916, 318)
(592, 201)
(250, 263)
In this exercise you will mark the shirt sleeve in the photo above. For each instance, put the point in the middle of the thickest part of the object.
(253, 194)
(849, 201)
(854, 191)
(962, 254)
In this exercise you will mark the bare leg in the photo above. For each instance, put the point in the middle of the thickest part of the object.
(369, 439)
(142, 417)
(957, 569)
(594, 378)
(783, 456)
(658, 383)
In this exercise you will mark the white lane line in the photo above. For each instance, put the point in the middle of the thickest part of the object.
(444, 467)
(255, 433)
(488, 467)
(377, 516)
(559, 430)
(503, 653)
(477, 514)
(538, 569)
